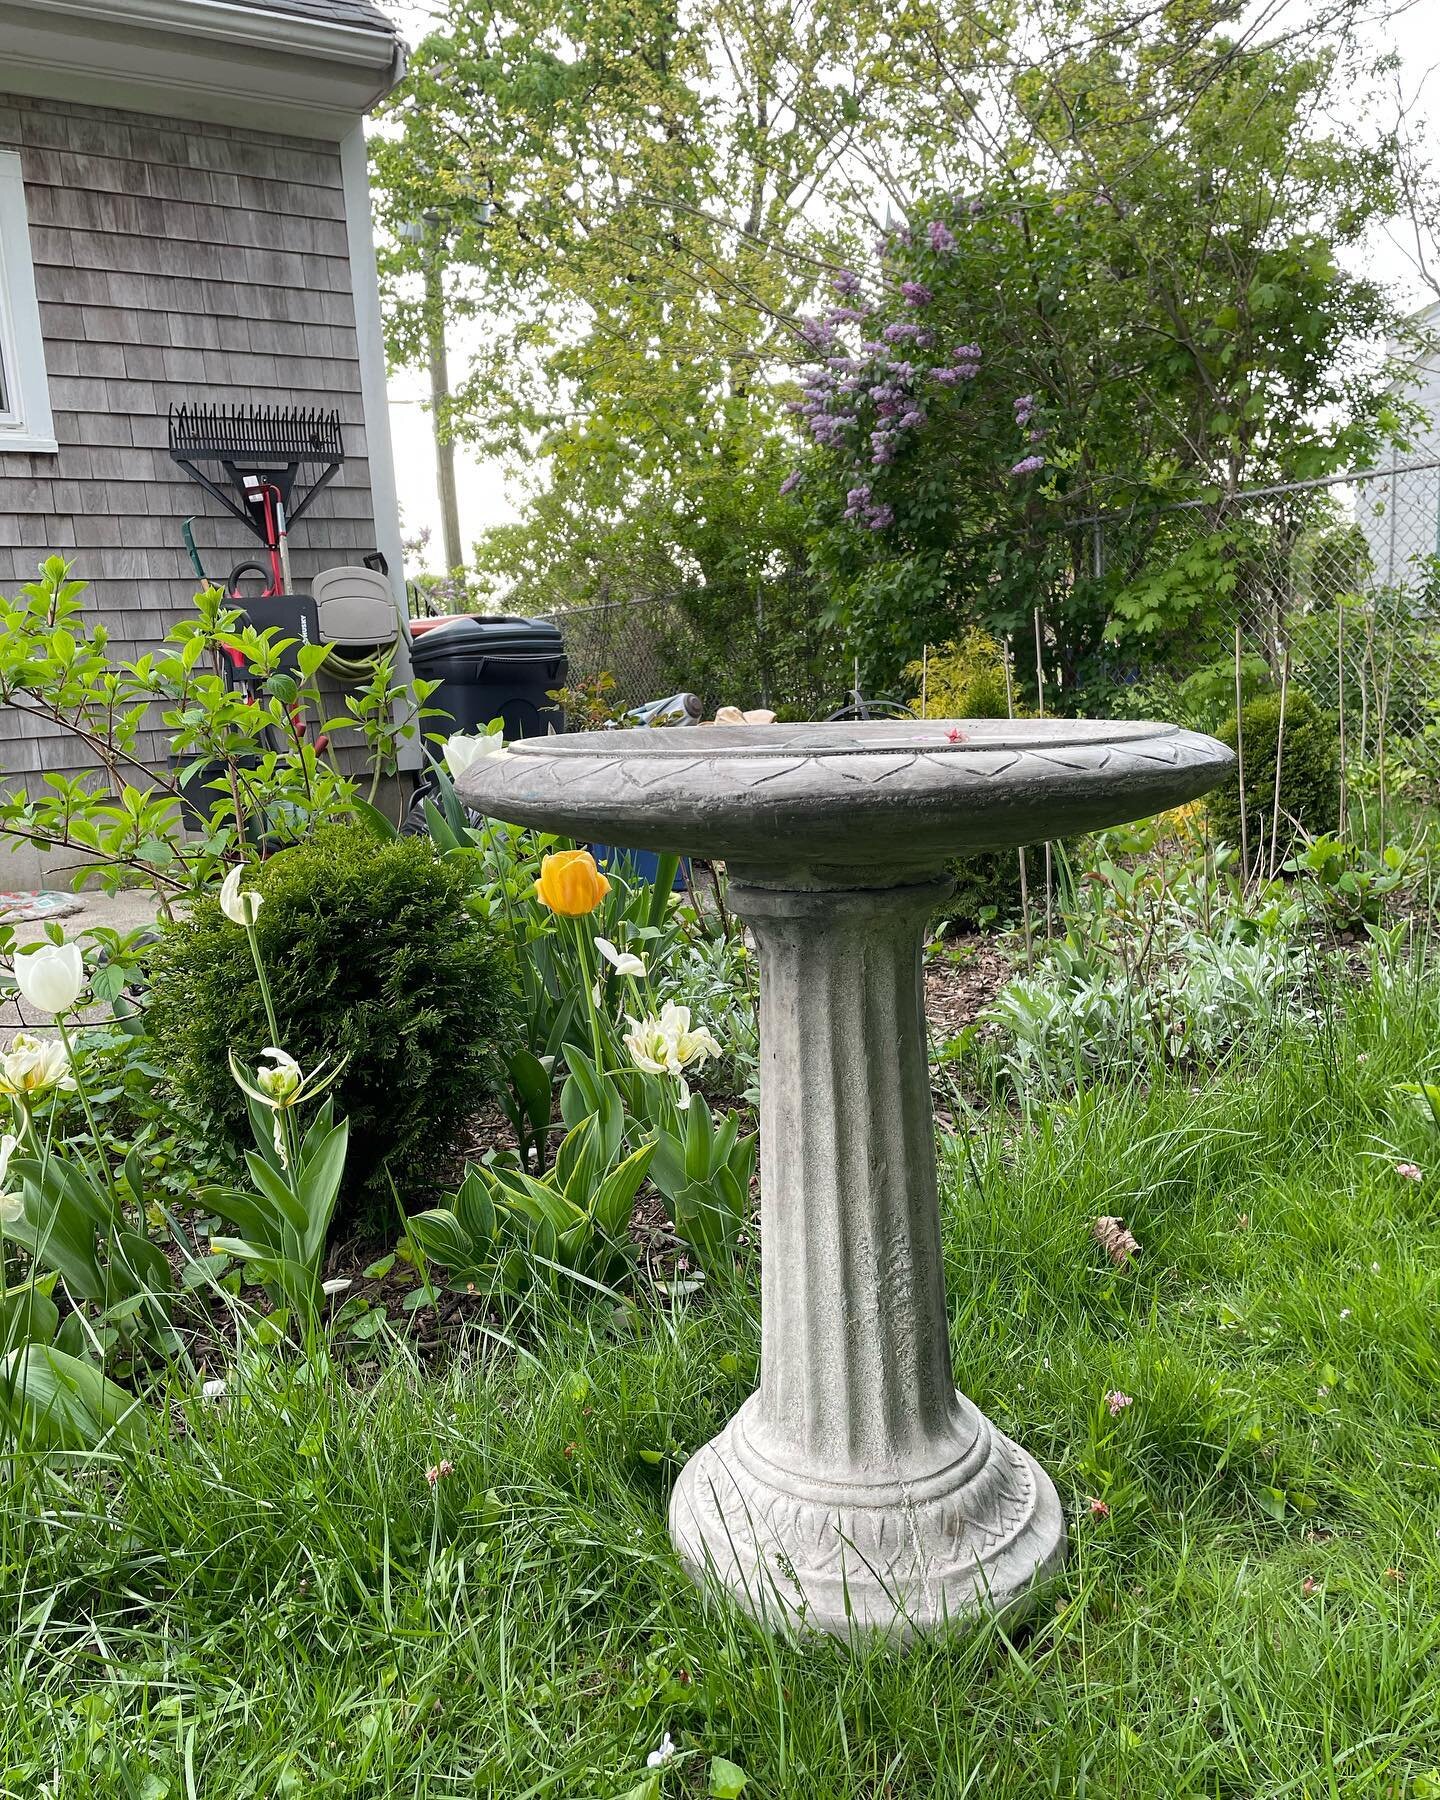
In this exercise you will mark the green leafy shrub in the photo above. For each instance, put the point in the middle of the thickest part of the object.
(373, 957)
(966, 680)
(987, 887)
(963, 680)
(1309, 770)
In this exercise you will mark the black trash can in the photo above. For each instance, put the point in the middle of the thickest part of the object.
(493, 668)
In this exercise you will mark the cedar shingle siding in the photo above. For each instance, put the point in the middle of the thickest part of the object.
(200, 262)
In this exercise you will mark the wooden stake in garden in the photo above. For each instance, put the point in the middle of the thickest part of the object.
(1024, 884)
(1279, 762)
(1040, 698)
(1340, 685)
(1240, 759)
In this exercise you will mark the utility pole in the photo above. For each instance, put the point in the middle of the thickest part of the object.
(440, 394)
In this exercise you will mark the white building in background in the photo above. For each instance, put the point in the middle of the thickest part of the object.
(1398, 509)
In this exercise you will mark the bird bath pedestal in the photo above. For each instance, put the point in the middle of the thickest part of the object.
(856, 1489)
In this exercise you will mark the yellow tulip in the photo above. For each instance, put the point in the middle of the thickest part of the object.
(570, 883)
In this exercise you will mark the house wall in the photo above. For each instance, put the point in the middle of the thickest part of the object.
(173, 262)
(1400, 512)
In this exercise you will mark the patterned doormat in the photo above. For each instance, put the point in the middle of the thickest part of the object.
(18, 908)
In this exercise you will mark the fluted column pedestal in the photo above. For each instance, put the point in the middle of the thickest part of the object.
(856, 1489)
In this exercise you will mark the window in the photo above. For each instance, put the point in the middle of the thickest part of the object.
(25, 422)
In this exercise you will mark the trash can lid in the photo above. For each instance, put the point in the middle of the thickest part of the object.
(499, 634)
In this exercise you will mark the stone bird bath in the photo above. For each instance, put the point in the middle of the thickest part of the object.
(856, 1489)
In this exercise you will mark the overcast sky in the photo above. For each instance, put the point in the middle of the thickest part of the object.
(484, 499)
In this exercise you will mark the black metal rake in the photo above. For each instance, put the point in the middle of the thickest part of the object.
(258, 444)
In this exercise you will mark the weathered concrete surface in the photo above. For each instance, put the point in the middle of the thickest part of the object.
(856, 1485)
(894, 798)
(856, 1489)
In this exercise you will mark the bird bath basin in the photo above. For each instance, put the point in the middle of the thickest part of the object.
(856, 1489)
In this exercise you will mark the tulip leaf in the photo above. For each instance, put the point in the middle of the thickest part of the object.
(615, 1196)
(55, 1401)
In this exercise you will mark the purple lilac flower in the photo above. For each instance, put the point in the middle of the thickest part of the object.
(913, 420)
(882, 454)
(977, 206)
(924, 339)
(879, 517)
(1024, 409)
(1028, 465)
(792, 481)
(916, 293)
(847, 283)
(1039, 434)
(847, 315)
(942, 238)
(946, 377)
(900, 331)
(859, 496)
(902, 371)
(874, 347)
(817, 333)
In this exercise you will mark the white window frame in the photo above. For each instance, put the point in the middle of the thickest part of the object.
(25, 419)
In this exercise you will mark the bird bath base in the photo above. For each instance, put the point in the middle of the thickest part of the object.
(856, 1490)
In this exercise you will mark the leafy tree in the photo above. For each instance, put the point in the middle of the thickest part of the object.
(642, 203)
(1143, 311)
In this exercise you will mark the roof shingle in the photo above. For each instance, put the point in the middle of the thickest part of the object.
(360, 13)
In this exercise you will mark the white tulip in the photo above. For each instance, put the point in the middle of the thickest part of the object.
(239, 908)
(688, 1047)
(11, 1205)
(51, 977)
(648, 1046)
(694, 1048)
(668, 1045)
(624, 962)
(280, 1084)
(463, 752)
(32, 1066)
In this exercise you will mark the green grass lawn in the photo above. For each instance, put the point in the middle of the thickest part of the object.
(269, 1598)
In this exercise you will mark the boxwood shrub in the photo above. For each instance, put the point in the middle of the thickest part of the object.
(1309, 770)
(372, 956)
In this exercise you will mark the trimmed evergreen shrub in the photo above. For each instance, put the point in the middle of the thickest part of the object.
(371, 955)
(963, 680)
(1309, 771)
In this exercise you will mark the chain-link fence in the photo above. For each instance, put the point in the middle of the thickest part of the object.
(1333, 584)
(758, 644)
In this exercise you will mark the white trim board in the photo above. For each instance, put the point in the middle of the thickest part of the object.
(26, 422)
(370, 345)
